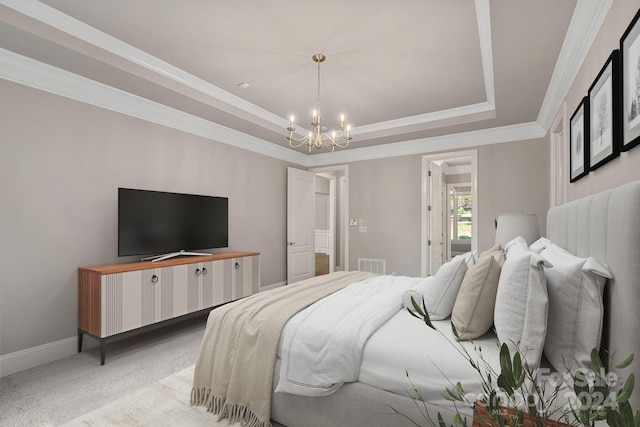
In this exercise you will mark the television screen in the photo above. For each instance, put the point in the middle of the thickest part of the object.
(156, 222)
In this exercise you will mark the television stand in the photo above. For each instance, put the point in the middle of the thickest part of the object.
(173, 255)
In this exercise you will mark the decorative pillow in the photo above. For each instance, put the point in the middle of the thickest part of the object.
(496, 252)
(496, 248)
(516, 244)
(473, 310)
(469, 257)
(539, 245)
(520, 315)
(576, 310)
(417, 292)
(440, 294)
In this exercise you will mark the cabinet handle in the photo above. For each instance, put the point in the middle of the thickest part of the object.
(204, 270)
(154, 279)
(198, 272)
(237, 266)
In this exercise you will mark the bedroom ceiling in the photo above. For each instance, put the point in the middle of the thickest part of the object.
(402, 72)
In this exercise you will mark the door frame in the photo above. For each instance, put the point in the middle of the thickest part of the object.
(344, 206)
(424, 218)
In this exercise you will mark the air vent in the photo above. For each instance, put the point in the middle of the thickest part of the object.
(372, 265)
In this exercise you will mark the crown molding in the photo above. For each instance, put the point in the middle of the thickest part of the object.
(124, 56)
(585, 23)
(519, 132)
(96, 43)
(29, 72)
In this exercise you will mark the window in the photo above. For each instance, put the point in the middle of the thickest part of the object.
(460, 205)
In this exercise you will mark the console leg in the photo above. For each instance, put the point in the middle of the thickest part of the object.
(103, 350)
(80, 335)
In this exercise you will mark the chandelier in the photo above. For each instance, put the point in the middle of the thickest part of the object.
(317, 138)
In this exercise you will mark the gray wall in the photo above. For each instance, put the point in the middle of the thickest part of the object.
(624, 168)
(512, 177)
(61, 163)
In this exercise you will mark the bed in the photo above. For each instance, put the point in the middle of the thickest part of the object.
(603, 226)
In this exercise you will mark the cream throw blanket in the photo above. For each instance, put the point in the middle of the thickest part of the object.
(233, 375)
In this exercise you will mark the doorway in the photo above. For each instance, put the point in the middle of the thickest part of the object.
(332, 213)
(441, 220)
(301, 221)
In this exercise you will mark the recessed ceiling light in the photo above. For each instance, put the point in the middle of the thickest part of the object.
(243, 85)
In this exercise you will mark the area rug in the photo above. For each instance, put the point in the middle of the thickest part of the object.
(164, 403)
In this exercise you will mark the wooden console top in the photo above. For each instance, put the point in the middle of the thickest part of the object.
(147, 265)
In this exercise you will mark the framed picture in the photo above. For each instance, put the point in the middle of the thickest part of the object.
(630, 59)
(604, 114)
(579, 141)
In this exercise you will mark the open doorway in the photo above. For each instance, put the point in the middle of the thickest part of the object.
(449, 207)
(331, 231)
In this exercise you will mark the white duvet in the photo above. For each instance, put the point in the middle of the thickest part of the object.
(321, 347)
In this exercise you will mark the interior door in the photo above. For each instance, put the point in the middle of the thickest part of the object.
(435, 213)
(300, 225)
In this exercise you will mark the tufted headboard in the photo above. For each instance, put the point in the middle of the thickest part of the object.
(606, 226)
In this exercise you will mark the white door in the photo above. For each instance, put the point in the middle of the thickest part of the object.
(301, 223)
(435, 212)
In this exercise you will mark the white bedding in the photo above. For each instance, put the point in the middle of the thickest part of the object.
(321, 347)
(405, 344)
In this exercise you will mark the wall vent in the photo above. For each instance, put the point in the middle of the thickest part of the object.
(372, 265)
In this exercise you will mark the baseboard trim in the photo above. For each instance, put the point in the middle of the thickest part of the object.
(38, 355)
(45, 353)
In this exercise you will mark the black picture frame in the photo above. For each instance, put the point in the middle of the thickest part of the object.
(604, 114)
(579, 141)
(630, 76)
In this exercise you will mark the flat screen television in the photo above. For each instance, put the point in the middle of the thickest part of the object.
(170, 224)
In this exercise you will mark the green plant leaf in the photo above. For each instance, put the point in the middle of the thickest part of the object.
(416, 307)
(626, 414)
(580, 385)
(455, 331)
(626, 362)
(441, 422)
(627, 389)
(596, 362)
(518, 371)
(614, 419)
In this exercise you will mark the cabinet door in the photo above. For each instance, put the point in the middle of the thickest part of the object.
(246, 276)
(121, 302)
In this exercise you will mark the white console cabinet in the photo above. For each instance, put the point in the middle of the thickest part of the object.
(117, 298)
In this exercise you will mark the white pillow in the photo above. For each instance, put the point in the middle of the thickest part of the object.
(469, 257)
(440, 294)
(416, 292)
(516, 244)
(520, 315)
(539, 245)
(576, 310)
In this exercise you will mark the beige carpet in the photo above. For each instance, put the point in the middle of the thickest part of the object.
(164, 403)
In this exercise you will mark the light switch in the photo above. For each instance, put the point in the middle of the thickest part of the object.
(362, 229)
(361, 222)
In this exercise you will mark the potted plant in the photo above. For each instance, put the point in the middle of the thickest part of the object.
(516, 397)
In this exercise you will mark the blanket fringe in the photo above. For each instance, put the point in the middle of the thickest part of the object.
(202, 396)
(243, 414)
